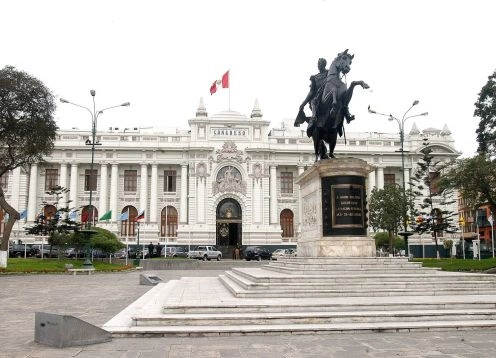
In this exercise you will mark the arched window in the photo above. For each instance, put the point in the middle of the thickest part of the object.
(287, 223)
(128, 226)
(86, 214)
(168, 222)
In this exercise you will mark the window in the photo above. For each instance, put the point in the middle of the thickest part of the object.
(434, 182)
(482, 217)
(286, 183)
(389, 179)
(168, 222)
(51, 178)
(128, 226)
(4, 181)
(287, 223)
(87, 212)
(170, 181)
(90, 180)
(130, 180)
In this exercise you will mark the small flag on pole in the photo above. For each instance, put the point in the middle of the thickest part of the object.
(141, 216)
(23, 214)
(107, 215)
(124, 216)
(73, 215)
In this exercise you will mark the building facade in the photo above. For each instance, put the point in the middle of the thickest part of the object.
(228, 180)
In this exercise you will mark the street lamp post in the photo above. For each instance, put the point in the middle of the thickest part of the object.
(401, 125)
(94, 118)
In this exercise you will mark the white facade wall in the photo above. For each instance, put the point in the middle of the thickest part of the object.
(198, 155)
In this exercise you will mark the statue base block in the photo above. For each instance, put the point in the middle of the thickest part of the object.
(336, 247)
(334, 212)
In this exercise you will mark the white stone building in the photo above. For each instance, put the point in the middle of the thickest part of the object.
(228, 180)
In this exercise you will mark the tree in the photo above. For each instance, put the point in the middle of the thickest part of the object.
(58, 226)
(465, 176)
(426, 181)
(106, 241)
(485, 109)
(27, 132)
(383, 209)
(382, 240)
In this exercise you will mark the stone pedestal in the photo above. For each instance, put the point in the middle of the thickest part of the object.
(334, 209)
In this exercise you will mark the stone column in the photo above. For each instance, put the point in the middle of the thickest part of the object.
(183, 208)
(154, 194)
(200, 199)
(371, 183)
(406, 173)
(257, 202)
(301, 169)
(73, 187)
(102, 209)
(144, 189)
(15, 189)
(63, 183)
(380, 178)
(273, 194)
(114, 184)
(33, 192)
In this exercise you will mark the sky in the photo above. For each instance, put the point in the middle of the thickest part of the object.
(163, 56)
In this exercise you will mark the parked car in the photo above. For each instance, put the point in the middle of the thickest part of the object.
(143, 253)
(173, 251)
(205, 253)
(121, 254)
(47, 251)
(283, 253)
(72, 253)
(19, 250)
(257, 253)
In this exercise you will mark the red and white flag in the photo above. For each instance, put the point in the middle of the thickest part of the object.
(141, 216)
(224, 82)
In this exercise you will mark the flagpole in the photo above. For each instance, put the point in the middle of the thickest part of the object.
(229, 76)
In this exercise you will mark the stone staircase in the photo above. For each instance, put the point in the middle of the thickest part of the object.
(305, 295)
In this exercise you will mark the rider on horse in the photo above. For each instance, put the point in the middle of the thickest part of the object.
(330, 107)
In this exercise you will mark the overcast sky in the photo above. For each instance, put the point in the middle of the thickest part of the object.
(162, 56)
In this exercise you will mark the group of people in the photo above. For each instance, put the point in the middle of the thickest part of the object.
(154, 251)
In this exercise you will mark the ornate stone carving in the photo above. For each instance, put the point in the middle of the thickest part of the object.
(201, 170)
(229, 152)
(229, 179)
(309, 211)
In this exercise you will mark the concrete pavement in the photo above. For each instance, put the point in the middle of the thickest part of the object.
(99, 297)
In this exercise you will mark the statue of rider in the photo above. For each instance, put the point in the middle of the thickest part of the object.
(316, 81)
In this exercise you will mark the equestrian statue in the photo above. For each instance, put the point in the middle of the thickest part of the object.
(329, 98)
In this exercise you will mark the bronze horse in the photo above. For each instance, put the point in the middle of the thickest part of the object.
(333, 98)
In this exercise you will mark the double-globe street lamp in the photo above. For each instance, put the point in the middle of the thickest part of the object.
(401, 124)
(92, 178)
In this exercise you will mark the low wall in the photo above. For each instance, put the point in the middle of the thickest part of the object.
(158, 264)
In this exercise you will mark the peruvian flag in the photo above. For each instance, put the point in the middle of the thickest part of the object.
(224, 82)
(141, 216)
(213, 87)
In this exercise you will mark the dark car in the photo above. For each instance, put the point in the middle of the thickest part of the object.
(173, 251)
(19, 250)
(257, 253)
(46, 251)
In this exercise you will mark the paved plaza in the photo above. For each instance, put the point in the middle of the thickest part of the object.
(99, 297)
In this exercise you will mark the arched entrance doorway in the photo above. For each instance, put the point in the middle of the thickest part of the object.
(228, 232)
